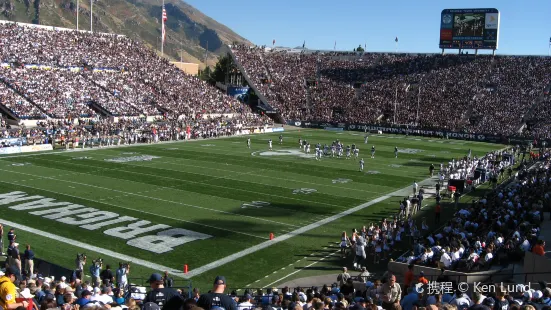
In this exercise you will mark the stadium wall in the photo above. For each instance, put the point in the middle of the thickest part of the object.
(493, 275)
(187, 67)
(536, 267)
(445, 134)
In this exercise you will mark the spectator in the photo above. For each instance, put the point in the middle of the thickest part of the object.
(8, 290)
(246, 303)
(539, 248)
(167, 298)
(410, 299)
(217, 298)
(167, 281)
(408, 278)
(85, 298)
(364, 275)
(106, 276)
(343, 277)
(122, 274)
(392, 293)
(29, 261)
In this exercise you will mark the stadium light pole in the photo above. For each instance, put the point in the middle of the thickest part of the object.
(395, 103)
(418, 102)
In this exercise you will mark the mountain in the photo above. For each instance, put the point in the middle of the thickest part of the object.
(189, 33)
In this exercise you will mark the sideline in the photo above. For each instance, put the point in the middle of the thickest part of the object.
(92, 248)
(265, 244)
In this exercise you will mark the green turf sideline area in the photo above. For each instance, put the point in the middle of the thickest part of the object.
(214, 201)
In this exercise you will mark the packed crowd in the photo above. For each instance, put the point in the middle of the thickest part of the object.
(539, 124)
(74, 69)
(104, 132)
(380, 240)
(496, 229)
(479, 94)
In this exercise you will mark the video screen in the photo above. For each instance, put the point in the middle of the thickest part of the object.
(468, 25)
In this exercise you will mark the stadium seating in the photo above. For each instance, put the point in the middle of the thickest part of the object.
(478, 94)
(61, 73)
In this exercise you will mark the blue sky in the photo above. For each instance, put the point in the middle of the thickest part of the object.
(525, 26)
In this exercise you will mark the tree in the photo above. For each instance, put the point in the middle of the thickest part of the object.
(359, 49)
(206, 75)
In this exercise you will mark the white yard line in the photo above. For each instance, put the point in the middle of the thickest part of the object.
(265, 244)
(252, 173)
(196, 182)
(139, 211)
(90, 247)
(149, 197)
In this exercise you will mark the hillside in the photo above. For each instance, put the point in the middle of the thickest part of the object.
(189, 32)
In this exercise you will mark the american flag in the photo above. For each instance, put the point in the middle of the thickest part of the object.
(164, 20)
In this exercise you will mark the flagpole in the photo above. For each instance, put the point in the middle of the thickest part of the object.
(78, 5)
(163, 30)
(91, 15)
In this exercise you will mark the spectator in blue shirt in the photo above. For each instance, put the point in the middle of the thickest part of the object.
(84, 299)
(410, 299)
(95, 272)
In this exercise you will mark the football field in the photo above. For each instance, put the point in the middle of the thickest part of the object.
(212, 204)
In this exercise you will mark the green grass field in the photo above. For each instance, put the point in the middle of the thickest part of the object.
(226, 197)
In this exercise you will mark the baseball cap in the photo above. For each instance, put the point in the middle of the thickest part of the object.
(357, 307)
(151, 306)
(489, 301)
(11, 270)
(220, 280)
(155, 277)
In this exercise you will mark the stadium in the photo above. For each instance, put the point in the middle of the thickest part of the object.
(297, 179)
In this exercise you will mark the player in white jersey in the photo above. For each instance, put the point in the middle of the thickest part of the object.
(356, 153)
(280, 139)
(348, 152)
(395, 152)
(249, 142)
(300, 143)
(307, 147)
(333, 150)
(270, 144)
(317, 152)
(362, 165)
(366, 138)
(373, 151)
(339, 151)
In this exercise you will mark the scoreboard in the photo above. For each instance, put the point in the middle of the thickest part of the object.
(469, 29)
